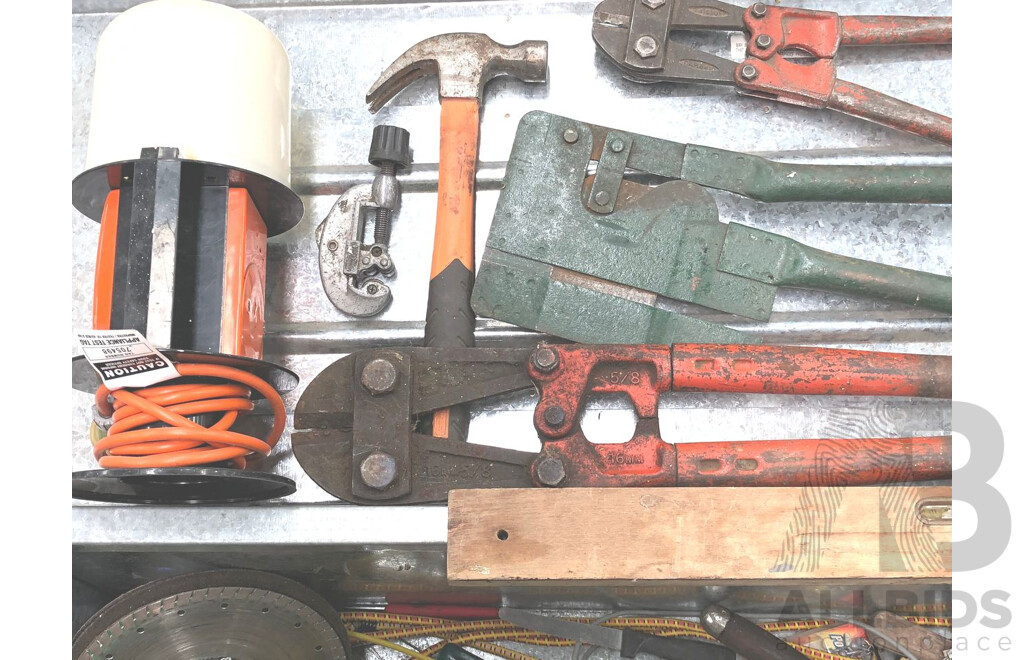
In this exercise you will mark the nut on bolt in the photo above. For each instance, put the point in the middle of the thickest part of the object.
(550, 471)
(378, 470)
(763, 41)
(759, 10)
(748, 72)
(646, 46)
(545, 359)
(379, 376)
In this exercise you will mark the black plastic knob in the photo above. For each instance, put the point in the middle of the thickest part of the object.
(390, 144)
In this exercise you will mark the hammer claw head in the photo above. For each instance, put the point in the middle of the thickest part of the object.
(464, 63)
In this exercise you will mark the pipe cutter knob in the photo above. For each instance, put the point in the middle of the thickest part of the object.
(390, 144)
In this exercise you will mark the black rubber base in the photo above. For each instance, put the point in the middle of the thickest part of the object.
(195, 485)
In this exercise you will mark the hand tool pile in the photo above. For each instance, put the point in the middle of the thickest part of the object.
(426, 635)
(610, 238)
(265, 615)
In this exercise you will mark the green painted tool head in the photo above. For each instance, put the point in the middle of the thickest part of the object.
(601, 257)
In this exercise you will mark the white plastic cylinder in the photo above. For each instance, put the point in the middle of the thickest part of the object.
(205, 78)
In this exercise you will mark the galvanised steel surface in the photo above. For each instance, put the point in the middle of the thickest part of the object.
(337, 49)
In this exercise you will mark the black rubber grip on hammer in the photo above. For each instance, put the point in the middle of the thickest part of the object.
(450, 324)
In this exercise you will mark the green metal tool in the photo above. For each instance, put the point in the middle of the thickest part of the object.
(600, 255)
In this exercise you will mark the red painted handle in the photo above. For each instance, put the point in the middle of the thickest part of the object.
(801, 370)
(861, 462)
(853, 99)
(895, 30)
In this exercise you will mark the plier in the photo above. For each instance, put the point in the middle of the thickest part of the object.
(635, 35)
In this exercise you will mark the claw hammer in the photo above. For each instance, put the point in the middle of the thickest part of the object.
(464, 63)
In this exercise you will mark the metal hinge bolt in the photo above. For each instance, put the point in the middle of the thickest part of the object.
(554, 416)
(550, 471)
(646, 46)
(545, 359)
(379, 376)
(378, 470)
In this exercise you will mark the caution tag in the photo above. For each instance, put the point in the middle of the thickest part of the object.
(124, 358)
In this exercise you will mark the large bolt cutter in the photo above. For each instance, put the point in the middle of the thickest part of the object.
(359, 434)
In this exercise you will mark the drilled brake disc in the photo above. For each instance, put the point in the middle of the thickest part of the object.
(215, 615)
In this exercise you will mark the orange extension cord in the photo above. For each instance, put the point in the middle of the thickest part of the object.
(183, 442)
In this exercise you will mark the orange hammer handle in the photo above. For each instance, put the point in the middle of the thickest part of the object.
(450, 321)
(456, 185)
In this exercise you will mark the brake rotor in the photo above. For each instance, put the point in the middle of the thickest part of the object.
(215, 615)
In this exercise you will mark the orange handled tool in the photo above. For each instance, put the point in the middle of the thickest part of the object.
(450, 320)
(464, 64)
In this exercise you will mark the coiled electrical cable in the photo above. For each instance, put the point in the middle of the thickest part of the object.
(136, 439)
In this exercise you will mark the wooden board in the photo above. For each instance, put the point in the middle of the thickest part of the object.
(765, 536)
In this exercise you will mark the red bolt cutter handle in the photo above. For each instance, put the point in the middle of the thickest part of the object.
(853, 99)
(643, 372)
(647, 461)
(802, 370)
(860, 462)
(895, 30)
(775, 30)
(568, 372)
